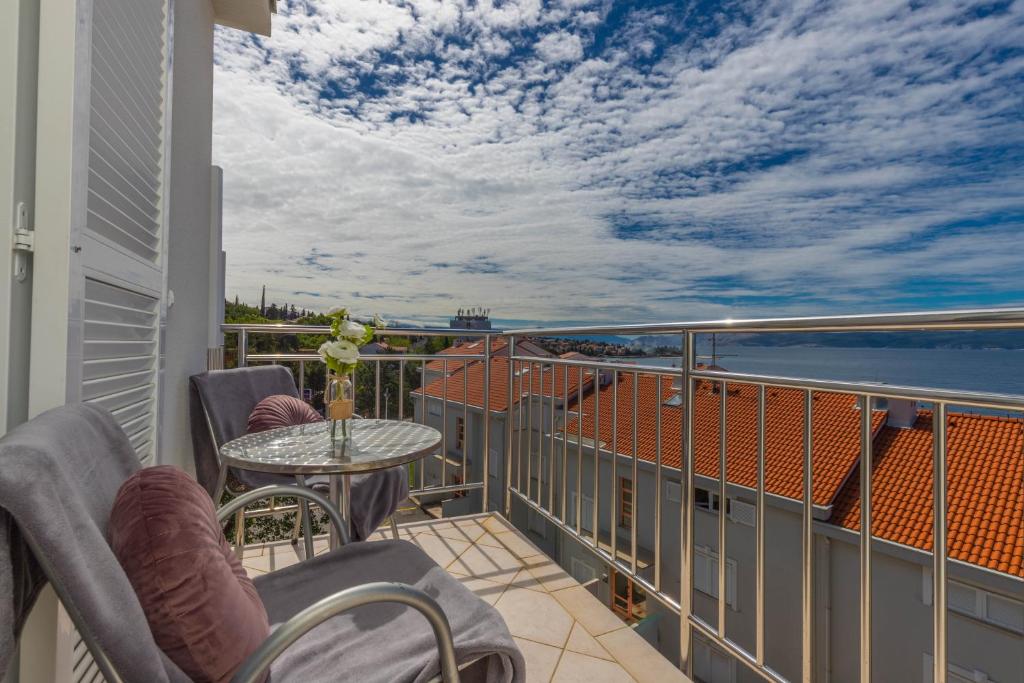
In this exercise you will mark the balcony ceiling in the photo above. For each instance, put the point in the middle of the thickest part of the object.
(245, 15)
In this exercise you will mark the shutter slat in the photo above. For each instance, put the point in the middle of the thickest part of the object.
(120, 362)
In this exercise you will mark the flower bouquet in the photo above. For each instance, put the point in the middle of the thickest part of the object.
(341, 355)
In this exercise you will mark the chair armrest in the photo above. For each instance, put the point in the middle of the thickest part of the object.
(236, 504)
(255, 667)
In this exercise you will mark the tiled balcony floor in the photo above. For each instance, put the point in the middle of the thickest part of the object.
(565, 633)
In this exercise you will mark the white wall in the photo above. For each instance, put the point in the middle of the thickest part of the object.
(189, 194)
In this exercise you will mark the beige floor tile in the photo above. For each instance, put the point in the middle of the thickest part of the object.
(512, 541)
(525, 580)
(534, 616)
(440, 549)
(496, 524)
(459, 529)
(577, 668)
(585, 644)
(639, 657)
(488, 591)
(494, 564)
(588, 610)
(547, 571)
(541, 660)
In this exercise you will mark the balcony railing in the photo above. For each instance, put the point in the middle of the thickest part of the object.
(547, 494)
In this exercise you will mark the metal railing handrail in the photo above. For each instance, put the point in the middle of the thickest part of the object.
(967, 319)
(293, 328)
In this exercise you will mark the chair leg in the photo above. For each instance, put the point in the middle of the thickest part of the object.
(240, 532)
(307, 527)
(394, 527)
(298, 524)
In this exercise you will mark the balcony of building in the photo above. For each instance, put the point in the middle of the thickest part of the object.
(555, 487)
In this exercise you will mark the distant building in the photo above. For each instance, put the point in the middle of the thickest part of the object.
(471, 319)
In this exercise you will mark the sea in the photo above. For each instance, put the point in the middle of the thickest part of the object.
(998, 371)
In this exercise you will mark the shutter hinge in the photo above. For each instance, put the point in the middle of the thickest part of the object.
(24, 242)
(24, 239)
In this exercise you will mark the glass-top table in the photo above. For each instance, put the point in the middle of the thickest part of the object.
(304, 450)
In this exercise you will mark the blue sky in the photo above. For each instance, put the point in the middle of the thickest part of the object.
(599, 161)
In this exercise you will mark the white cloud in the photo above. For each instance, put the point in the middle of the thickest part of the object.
(443, 154)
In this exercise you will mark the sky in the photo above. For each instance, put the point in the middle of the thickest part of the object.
(600, 161)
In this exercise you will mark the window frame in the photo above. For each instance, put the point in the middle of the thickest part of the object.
(625, 516)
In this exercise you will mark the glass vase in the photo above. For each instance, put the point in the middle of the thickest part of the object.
(340, 407)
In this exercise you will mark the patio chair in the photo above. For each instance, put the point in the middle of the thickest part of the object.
(59, 476)
(221, 401)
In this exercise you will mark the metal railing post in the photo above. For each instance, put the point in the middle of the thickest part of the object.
(723, 505)
(865, 539)
(486, 467)
(939, 659)
(509, 429)
(807, 544)
(243, 347)
(689, 388)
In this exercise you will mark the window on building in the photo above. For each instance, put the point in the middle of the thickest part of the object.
(977, 603)
(625, 502)
(957, 674)
(705, 500)
(460, 433)
(705, 575)
(434, 409)
(581, 571)
(586, 512)
(674, 491)
(711, 665)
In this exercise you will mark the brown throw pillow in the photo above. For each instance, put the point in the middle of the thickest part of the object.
(203, 609)
(280, 410)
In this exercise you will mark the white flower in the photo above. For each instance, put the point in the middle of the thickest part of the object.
(379, 322)
(344, 351)
(351, 330)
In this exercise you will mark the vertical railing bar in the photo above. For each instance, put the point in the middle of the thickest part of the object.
(760, 511)
(243, 348)
(376, 390)
(579, 458)
(302, 379)
(565, 434)
(807, 540)
(689, 360)
(865, 539)
(723, 444)
(486, 469)
(444, 421)
(510, 441)
(463, 475)
(422, 464)
(401, 390)
(634, 499)
(551, 446)
(613, 526)
(597, 481)
(939, 547)
(529, 434)
(657, 486)
(521, 421)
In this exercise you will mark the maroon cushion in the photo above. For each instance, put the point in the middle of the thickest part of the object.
(280, 410)
(203, 609)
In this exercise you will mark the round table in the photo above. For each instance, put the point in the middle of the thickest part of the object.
(304, 450)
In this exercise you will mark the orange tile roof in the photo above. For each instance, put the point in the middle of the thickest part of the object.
(475, 347)
(835, 429)
(985, 489)
(471, 380)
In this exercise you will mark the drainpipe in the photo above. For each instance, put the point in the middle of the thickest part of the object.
(827, 587)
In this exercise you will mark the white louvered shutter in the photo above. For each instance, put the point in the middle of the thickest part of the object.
(112, 218)
(122, 292)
